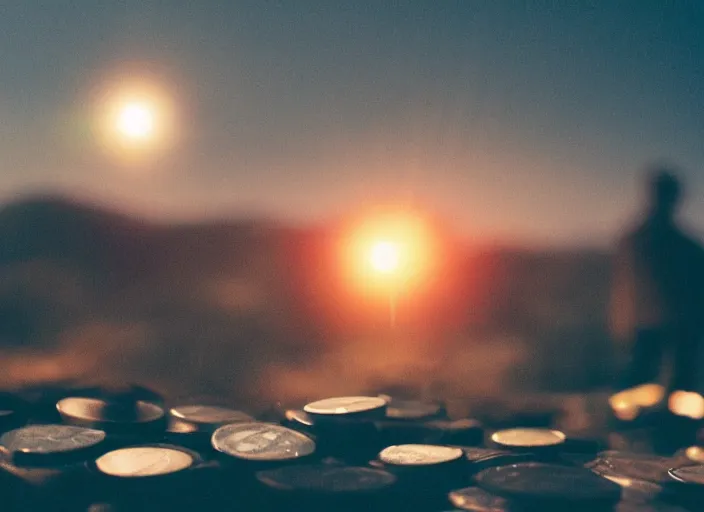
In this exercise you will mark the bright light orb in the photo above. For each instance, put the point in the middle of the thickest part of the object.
(385, 257)
(388, 250)
(687, 403)
(136, 121)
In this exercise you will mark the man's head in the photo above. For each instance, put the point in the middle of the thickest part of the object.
(665, 191)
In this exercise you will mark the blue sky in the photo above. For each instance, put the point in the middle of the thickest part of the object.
(526, 121)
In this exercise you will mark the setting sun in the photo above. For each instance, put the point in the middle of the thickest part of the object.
(384, 257)
(136, 121)
(390, 250)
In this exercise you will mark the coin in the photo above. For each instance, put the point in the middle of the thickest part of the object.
(474, 453)
(51, 439)
(688, 474)
(411, 410)
(144, 461)
(209, 415)
(327, 479)
(651, 468)
(298, 419)
(548, 482)
(482, 458)
(96, 412)
(261, 442)
(478, 500)
(528, 438)
(347, 405)
(419, 455)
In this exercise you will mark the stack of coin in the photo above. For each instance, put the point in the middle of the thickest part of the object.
(121, 416)
(48, 459)
(426, 472)
(245, 448)
(157, 477)
(541, 442)
(345, 426)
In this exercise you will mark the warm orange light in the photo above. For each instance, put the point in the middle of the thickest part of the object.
(384, 257)
(628, 403)
(687, 403)
(389, 251)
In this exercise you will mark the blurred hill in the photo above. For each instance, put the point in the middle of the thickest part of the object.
(255, 310)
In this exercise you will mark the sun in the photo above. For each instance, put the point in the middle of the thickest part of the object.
(136, 121)
(386, 250)
(384, 257)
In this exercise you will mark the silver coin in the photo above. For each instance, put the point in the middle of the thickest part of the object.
(537, 481)
(345, 405)
(419, 454)
(143, 461)
(261, 442)
(49, 439)
(651, 468)
(209, 414)
(327, 479)
(528, 437)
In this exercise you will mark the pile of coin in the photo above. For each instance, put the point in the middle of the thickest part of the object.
(127, 450)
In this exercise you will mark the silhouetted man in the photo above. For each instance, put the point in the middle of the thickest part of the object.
(658, 294)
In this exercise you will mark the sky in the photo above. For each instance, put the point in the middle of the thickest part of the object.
(528, 121)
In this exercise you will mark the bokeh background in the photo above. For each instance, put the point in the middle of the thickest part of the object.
(199, 252)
